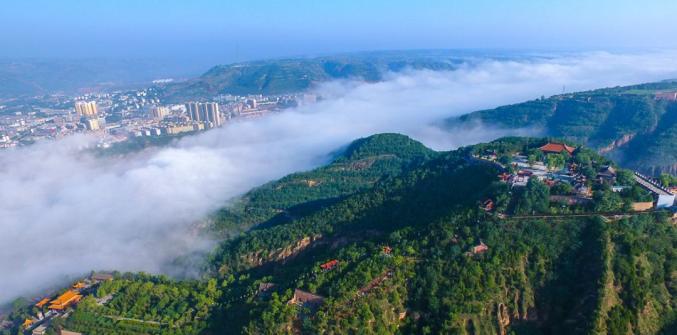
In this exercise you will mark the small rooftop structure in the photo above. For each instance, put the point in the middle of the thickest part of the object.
(329, 265)
(387, 250)
(488, 205)
(101, 276)
(42, 303)
(79, 285)
(556, 148)
(27, 323)
(521, 178)
(480, 248)
(68, 332)
(504, 176)
(606, 174)
(306, 299)
(583, 190)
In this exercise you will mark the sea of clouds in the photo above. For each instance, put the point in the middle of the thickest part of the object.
(65, 211)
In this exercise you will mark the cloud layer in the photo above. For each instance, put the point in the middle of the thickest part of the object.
(64, 212)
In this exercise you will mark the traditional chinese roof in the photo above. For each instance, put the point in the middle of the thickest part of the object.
(69, 297)
(557, 148)
(42, 303)
(27, 323)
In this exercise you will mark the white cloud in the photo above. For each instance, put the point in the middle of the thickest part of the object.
(64, 212)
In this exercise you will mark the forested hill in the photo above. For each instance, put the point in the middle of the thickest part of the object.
(405, 240)
(283, 76)
(363, 163)
(627, 124)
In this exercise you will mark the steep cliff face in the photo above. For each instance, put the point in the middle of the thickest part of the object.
(281, 255)
(261, 257)
(638, 292)
(617, 143)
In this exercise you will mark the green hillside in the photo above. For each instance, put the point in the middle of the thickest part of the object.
(284, 76)
(402, 241)
(359, 167)
(625, 123)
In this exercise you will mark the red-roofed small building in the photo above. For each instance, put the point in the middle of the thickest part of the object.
(480, 248)
(329, 265)
(488, 205)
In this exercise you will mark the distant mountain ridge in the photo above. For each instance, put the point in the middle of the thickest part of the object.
(281, 76)
(628, 124)
(37, 76)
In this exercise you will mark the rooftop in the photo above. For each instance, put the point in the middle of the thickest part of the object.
(557, 148)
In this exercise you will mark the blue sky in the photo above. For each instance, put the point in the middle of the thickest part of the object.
(224, 31)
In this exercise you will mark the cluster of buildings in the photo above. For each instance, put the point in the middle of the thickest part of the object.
(207, 112)
(570, 174)
(59, 306)
(119, 116)
(525, 170)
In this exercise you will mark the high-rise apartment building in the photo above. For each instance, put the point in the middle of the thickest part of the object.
(86, 108)
(92, 124)
(192, 108)
(204, 112)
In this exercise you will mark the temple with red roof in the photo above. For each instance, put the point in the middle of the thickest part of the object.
(557, 148)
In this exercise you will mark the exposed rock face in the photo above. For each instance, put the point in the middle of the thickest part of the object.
(516, 303)
(503, 318)
(281, 254)
(294, 249)
(617, 143)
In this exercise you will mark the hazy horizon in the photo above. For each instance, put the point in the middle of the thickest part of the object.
(211, 32)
